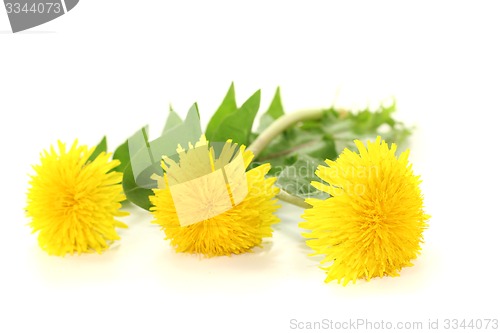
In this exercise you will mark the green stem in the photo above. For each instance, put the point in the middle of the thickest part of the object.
(292, 199)
(273, 131)
(279, 126)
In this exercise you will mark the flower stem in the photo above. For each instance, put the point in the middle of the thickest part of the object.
(292, 199)
(273, 131)
(279, 126)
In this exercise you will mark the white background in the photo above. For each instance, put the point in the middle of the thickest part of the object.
(109, 67)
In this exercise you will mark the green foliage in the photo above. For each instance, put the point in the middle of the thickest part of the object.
(101, 147)
(122, 154)
(227, 107)
(136, 194)
(296, 178)
(274, 112)
(141, 158)
(173, 120)
(231, 122)
(294, 155)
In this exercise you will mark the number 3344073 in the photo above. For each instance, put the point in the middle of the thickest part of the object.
(36, 8)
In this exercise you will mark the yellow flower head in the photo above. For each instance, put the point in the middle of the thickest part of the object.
(73, 202)
(205, 208)
(372, 224)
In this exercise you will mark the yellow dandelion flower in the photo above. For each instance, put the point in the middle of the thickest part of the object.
(73, 202)
(203, 218)
(372, 224)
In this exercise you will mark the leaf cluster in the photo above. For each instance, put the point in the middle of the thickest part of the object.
(294, 154)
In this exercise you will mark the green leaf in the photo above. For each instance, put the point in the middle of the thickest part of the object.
(300, 141)
(141, 156)
(227, 107)
(192, 125)
(145, 157)
(135, 193)
(122, 154)
(274, 112)
(276, 108)
(137, 182)
(187, 132)
(365, 124)
(278, 164)
(238, 125)
(173, 120)
(367, 121)
(100, 148)
(296, 178)
(295, 154)
(328, 136)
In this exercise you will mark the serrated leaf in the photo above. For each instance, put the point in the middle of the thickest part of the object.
(192, 124)
(227, 107)
(367, 121)
(173, 120)
(122, 154)
(145, 157)
(365, 124)
(276, 108)
(141, 156)
(296, 179)
(135, 194)
(237, 126)
(188, 132)
(278, 164)
(325, 138)
(274, 112)
(101, 147)
(314, 143)
(137, 182)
